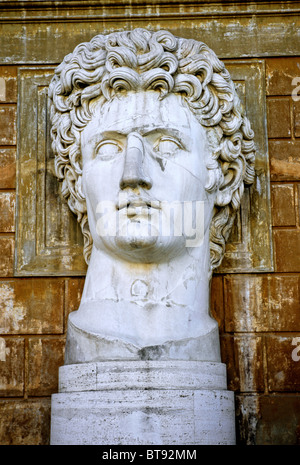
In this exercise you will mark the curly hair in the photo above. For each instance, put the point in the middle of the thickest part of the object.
(144, 60)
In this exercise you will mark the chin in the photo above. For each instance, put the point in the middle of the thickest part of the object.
(144, 249)
(133, 242)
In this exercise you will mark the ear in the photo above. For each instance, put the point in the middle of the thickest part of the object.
(233, 181)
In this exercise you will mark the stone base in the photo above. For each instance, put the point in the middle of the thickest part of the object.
(143, 403)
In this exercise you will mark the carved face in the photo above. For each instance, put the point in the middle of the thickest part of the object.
(144, 160)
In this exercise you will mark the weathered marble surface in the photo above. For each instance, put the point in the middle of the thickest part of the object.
(185, 403)
(153, 148)
(152, 299)
(49, 241)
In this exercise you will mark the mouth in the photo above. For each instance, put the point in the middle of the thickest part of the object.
(138, 203)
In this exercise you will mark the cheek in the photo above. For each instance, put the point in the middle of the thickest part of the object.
(101, 180)
(184, 180)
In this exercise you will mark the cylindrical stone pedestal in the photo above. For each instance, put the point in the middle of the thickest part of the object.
(143, 403)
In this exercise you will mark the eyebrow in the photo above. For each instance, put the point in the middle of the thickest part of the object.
(162, 129)
(171, 131)
(144, 132)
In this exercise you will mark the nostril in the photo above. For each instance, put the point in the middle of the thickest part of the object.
(146, 184)
(128, 182)
(133, 182)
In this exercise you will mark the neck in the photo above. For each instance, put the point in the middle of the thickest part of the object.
(183, 281)
(149, 311)
(148, 303)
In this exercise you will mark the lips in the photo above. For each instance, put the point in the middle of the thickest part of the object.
(136, 202)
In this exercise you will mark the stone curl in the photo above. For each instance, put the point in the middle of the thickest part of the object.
(144, 60)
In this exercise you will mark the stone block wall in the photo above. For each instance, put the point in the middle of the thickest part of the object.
(258, 314)
(261, 320)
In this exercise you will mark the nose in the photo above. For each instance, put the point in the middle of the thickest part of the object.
(134, 173)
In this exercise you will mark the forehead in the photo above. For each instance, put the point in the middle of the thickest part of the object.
(143, 111)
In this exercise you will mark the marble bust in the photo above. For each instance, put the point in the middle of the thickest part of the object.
(153, 149)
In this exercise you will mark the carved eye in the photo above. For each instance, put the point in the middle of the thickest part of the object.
(168, 146)
(108, 149)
